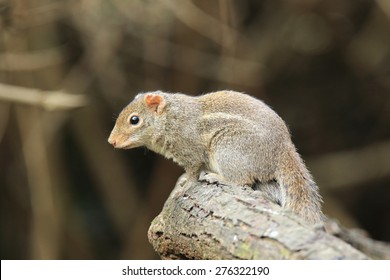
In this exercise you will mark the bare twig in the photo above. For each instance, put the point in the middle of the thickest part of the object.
(198, 20)
(49, 100)
(45, 218)
(354, 167)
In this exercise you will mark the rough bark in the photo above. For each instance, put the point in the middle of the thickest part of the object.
(206, 220)
(359, 239)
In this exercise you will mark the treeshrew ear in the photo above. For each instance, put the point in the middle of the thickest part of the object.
(155, 102)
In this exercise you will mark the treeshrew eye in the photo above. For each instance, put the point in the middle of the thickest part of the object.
(134, 120)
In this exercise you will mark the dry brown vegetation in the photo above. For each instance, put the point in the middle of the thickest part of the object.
(67, 68)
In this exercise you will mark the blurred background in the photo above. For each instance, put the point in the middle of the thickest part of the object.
(68, 67)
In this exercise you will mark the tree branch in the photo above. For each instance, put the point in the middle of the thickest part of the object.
(49, 100)
(353, 167)
(212, 221)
